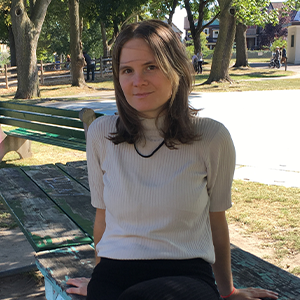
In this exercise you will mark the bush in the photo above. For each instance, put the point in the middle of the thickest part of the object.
(278, 42)
(4, 59)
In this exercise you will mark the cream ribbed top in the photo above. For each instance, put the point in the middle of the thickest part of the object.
(158, 207)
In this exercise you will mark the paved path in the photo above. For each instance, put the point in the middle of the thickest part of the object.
(263, 126)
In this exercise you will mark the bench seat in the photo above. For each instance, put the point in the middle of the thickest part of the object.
(51, 207)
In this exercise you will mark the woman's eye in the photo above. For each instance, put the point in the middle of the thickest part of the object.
(152, 67)
(126, 71)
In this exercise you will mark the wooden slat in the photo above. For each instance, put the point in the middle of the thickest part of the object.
(42, 109)
(68, 194)
(77, 170)
(60, 265)
(251, 271)
(47, 138)
(69, 132)
(44, 224)
(42, 118)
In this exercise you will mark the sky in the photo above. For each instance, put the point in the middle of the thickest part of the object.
(181, 13)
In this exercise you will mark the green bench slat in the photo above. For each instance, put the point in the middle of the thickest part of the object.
(44, 224)
(251, 271)
(68, 132)
(77, 170)
(58, 266)
(42, 109)
(49, 119)
(68, 194)
(48, 138)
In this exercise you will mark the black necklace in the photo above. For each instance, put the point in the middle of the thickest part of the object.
(147, 156)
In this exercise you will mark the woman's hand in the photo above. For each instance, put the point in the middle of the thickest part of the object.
(80, 285)
(252, 294)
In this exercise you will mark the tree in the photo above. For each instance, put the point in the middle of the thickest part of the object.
(112, 15)
(77, 59)
(27, 23)
(56, 29)
(205, 11)
(223, 49)
(6, 34)
(159, 9)
(250, 12)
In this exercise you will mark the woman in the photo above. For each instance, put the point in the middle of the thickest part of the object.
(160, 179)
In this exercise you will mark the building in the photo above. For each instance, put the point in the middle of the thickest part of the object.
(293, 40)
(212, 33)
(175, 29)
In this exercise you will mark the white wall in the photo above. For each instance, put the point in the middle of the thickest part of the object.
(293, 53)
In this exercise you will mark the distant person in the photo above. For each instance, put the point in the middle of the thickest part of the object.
(195, 62)
(277, 55)
(68, 61)
(200, 62)
(90, 66)
(283, 55)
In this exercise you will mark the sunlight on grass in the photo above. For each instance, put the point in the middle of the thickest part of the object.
(271, 212)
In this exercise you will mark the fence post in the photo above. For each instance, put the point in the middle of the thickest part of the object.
(101, 67)
(6, 76)
(42, 73)
(285, 64)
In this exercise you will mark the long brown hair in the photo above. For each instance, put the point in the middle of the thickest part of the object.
(171, 58)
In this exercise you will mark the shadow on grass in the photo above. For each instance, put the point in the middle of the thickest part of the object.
(270, 74)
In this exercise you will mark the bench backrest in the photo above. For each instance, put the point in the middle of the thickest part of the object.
(56, 121)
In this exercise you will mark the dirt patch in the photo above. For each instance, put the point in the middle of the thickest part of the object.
(22, 286)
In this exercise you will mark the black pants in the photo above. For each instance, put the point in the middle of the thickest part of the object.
(90, 68)
(152, 280)
(200, 66)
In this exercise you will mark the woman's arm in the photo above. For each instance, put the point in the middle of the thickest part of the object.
(82, 283)
(222, 265)
(99, 228)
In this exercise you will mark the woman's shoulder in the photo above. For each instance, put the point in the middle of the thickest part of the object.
(103, 125)
(208, 128)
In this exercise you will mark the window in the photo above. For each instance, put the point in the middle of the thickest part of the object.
(206, 31)
(215, 34)
(292, 40)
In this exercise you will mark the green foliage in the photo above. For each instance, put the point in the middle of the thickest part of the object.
(204, 49)
(4, 58)
(278, 42)
(92, 39)
(255, 12)
(55, 34)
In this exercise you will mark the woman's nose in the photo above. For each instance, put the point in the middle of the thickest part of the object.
(139, 79)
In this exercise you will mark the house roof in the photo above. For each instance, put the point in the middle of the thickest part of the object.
(174, 27)
(277, 5)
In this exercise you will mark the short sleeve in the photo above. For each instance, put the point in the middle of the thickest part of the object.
(95, 173)
(220, 169)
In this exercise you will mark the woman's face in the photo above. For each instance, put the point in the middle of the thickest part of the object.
(145, 86)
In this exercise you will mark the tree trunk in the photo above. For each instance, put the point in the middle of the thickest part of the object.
(77, 59)
(241, 46)
(196, 31)
(104, 39)
(223, 49)
(172, 12)
(12, 47)
(26, 32)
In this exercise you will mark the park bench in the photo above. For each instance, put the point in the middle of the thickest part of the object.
(51, 204)
(56, 126)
